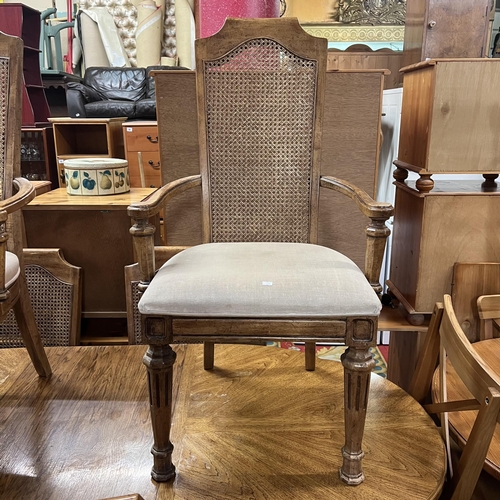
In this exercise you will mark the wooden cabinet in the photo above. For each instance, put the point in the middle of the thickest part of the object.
(446, 28)
(24, 22)
(38, 160)
(142, 153)
(86, 137)
(455, 222)
(93, 233)
(448, 122)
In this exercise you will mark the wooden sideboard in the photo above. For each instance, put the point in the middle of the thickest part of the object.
(93, 233)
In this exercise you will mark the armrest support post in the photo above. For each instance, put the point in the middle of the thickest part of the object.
(376, 237)
(143, 238)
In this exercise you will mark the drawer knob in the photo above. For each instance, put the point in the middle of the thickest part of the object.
(431, 24)
(150, 139)
(155, 166)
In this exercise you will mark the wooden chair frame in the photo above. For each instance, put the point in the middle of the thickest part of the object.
(358, 333)
(16, 296)
(446, 337)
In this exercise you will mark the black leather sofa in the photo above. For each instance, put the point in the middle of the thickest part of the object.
(112, 92)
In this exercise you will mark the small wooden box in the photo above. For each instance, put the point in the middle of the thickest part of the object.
(451, 116)
(455, 222)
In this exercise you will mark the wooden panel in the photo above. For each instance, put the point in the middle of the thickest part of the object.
(381, 59)
(179, 156)
(471, 280)
(414, 31)
(350, 147)
(465, 121)
(95, 240)
(349, 151)
(416, 112)
(408, 218)
(460, 28)
(456, 229)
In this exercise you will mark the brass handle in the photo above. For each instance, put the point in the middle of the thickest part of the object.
(431, 24)
(150, 139)
(156, 167)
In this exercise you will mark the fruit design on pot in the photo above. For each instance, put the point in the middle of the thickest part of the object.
(87, 182)
(120, 180)
(106, 182)
(74, 182)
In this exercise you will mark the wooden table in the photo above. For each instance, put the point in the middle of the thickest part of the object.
(92, 232)
(256, 427)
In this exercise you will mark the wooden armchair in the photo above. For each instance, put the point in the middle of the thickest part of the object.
(259, 275)
(13, 289)
(466, 386)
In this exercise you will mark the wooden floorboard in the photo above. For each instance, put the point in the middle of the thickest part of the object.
(256, 427)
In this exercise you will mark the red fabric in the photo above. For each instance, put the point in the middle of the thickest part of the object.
(212, 13)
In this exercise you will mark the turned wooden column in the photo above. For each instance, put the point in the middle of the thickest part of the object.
(159, 361)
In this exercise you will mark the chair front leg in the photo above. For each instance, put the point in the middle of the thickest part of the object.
(358, 364)
(159, 361)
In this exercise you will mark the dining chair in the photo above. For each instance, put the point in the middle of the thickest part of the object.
(259, 275)
(465, 390)
(15, 192)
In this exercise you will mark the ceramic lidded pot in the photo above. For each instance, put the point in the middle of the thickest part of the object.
(96, 176)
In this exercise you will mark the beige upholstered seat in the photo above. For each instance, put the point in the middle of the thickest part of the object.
(259, 274)
(15, 192)
(260, 280)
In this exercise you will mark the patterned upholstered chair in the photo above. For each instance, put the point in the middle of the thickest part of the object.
(259, 274)
(13, 289)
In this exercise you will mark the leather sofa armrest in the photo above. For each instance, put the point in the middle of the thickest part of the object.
(88, 93)
(76, 104)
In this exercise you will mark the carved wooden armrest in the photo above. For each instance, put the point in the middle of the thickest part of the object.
(153, 203)
(143, 231)
(25, 193)
(376, 232)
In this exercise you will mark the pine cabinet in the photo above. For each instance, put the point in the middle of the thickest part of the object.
(142, 153)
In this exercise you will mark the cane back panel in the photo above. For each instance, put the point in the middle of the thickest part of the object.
(259, 116)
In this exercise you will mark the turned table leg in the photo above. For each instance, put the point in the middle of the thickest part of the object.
(358, 364)
(159, 361)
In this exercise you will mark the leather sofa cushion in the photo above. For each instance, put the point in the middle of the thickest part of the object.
(110, 109)
(146, 108)
(124, 84)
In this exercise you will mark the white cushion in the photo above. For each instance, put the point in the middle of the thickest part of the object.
(260, 280)
(12, 268)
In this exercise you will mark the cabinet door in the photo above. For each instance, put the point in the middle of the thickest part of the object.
(456, 29)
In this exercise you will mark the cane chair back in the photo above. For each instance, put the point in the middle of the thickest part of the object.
(262, 183)
(13, 289)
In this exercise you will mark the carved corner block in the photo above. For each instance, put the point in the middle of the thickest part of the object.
(361, 332)
(157, 330)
